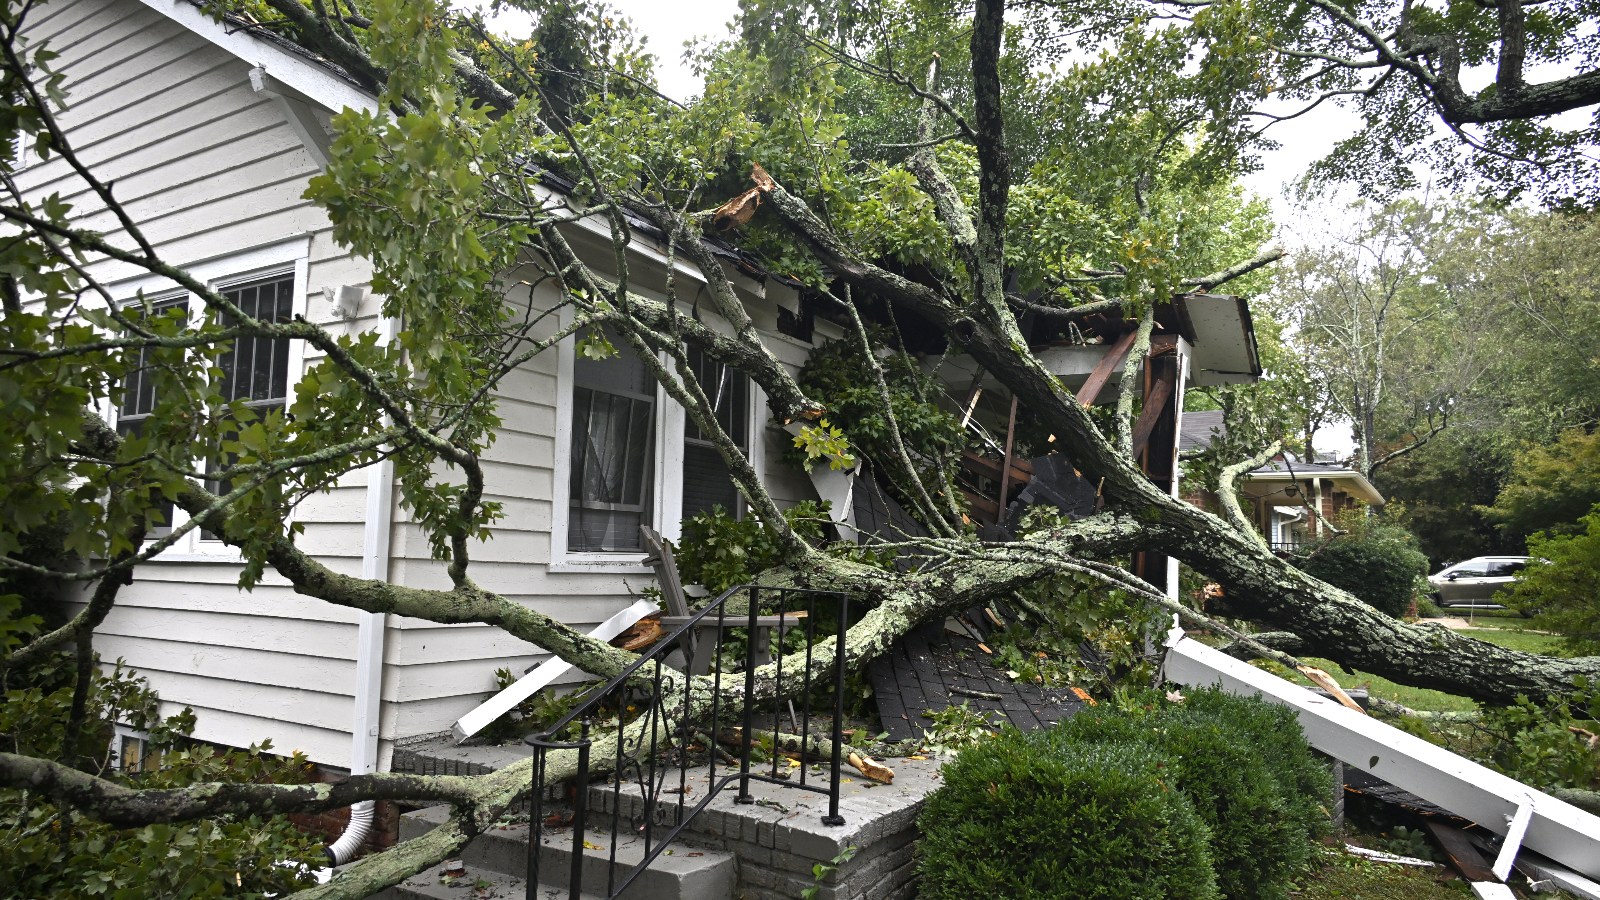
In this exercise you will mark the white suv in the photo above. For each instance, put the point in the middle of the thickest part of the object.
(1474, 582)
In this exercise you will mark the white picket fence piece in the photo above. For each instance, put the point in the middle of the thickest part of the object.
(542, 675)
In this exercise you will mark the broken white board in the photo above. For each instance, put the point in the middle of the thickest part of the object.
(542, 675)
(1558, 830)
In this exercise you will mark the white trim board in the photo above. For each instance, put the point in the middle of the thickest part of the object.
(1556, 829)
(296, 73)
(542, 675)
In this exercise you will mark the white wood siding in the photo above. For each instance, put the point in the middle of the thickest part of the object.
(444, 671)
(209, 168)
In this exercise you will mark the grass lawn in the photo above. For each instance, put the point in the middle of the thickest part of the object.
(1436, 701)
(1349, 879)
(1378, 686)
(1514, 623)
(1526, 641)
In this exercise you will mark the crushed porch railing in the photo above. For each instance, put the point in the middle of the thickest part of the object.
(661, 717)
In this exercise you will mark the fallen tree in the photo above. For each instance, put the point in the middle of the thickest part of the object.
(448, 192)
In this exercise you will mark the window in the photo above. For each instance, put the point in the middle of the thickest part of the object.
(267, 282)
(131, 754)
(256, 369)
(613, 452)
(628, 456)
(1476, 568)
(706, 480)
(139, 396)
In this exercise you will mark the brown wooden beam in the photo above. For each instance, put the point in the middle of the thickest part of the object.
(1464, 857)
(1154, 406)
(1090, 392)
(1005, 469)
(978, 464)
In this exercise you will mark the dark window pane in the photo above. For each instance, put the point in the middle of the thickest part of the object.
(257, 368)
(254, 369)
(612, 452)
(163, 519)
(706, 480)
(139, 395)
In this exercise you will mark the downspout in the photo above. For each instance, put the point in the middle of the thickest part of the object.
(369, 643)
(1181, 389)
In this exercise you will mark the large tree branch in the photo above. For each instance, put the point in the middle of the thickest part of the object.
(947, 202)
(994, 159)
(1229, 498)
(117, 804)
(1237, 270)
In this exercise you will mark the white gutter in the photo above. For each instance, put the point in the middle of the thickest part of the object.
(369, 641)
(1556, 829)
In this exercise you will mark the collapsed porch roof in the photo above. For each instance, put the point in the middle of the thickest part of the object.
(1217, 328)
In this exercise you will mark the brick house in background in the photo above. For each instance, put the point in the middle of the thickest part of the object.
(1289, 499)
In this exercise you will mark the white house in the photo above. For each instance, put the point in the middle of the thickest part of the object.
(210, 135)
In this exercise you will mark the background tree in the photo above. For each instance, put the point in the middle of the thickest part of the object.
(1550, 488)
(1474, 92)
(1387, 325)
(1562, 588)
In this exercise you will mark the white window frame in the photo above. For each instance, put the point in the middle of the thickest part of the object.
(667, 503)
(290, 256)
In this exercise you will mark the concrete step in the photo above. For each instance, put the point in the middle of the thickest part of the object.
(680, 873)
(475, 885)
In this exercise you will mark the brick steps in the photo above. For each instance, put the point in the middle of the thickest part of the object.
(759, 851)
(680, 873)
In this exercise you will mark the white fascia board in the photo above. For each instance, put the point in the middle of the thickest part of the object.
(596, 224)
(298, 74)
(1556, 829)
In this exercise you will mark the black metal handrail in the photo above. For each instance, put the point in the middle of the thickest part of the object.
(653, 724)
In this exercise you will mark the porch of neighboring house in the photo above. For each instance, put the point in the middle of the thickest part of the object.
(1291, 501)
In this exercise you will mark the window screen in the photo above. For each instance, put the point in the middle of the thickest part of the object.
(613, 452)
(139, 395)
(706, 481)
(255, 369)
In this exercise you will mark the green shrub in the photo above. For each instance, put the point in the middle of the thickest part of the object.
(720, 550)
(1274, 735)
(1020, 819)
(1379, 563)
(1427, 609)
(54, 851)
(1260, 827)
(1563, 592)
